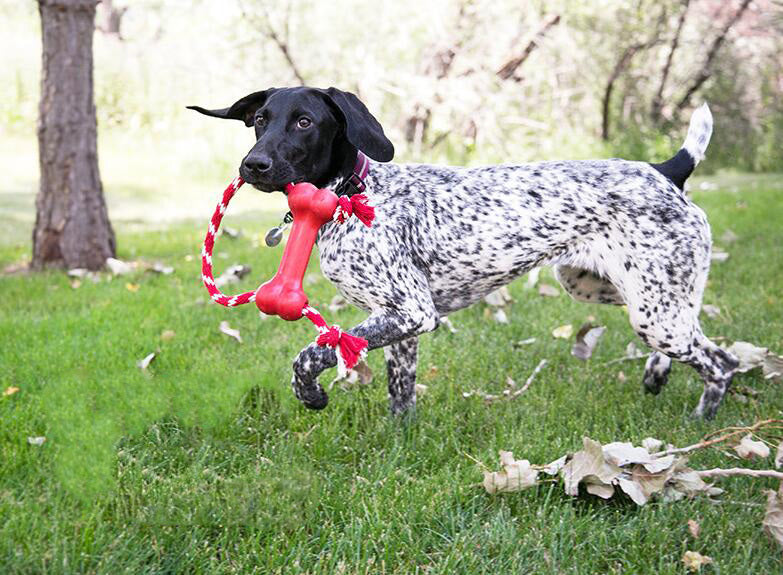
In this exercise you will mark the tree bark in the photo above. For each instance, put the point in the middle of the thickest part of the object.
(72, 227)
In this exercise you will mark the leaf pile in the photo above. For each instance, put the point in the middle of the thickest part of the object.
(605, 470)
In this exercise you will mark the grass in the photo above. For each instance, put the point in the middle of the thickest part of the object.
(210, 465)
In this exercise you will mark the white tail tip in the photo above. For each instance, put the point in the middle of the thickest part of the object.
(699, 132)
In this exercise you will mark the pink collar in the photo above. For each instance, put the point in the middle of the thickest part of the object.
(355, 184)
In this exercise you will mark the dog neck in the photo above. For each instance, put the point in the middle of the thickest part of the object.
(351, 174)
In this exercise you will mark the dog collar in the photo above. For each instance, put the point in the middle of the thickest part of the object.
(355, 183)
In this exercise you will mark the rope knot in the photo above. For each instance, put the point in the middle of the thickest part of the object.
(354, 205)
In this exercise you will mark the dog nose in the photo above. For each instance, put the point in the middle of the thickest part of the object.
(259, 163)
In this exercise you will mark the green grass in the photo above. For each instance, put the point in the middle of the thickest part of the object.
(210, 465)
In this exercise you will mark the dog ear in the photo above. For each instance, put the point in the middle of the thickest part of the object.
(243, 109)
(361, 128)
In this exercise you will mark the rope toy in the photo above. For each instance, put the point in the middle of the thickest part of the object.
(283, 295)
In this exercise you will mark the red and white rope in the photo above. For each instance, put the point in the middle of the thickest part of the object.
(349, 348)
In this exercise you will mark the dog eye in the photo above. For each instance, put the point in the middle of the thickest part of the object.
(304, 122)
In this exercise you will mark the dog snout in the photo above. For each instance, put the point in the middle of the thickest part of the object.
(258, 164)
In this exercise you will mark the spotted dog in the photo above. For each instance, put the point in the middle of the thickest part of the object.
(616, 232)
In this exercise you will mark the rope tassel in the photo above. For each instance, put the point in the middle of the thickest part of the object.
(349, 348)
(357, 206)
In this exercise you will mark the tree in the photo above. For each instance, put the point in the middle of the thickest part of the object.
(72, 227)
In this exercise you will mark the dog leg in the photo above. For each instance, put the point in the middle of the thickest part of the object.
(656, 372)
(414, 316)
(401, 371)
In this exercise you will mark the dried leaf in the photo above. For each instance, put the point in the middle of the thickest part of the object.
(232, 275)
(712, 311)
(772, 366)
(498, 298)
(548, 290)
(167, 335)
(588, 463)
(159, 268)
(773, 517)
(229, 331)
(563, 332)
(76, 284)
(532, 278)
(749, 355)
(523, 342)
(694, 528)
(10, 390)
(119, 267)
(693, 560)
(132, 287)
(602, 490)
(651, 444)
(447, 322)
(555, 467)
(718, 256)
(729, 237)
(633, 490)
(421, 389)
(37, 441)
(500, 316)
(748, 448)
(337, 303)
(229, 232)
(586, 339)
(516, 475)
(144, 363)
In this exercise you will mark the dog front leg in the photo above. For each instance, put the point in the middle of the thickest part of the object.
(380, 329)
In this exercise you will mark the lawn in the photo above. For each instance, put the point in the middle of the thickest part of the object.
(208, 464)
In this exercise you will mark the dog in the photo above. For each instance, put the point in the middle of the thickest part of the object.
(616, 231)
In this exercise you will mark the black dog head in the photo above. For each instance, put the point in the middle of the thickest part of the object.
(304, 135)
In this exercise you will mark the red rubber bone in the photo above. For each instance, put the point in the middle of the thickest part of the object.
(283, 295)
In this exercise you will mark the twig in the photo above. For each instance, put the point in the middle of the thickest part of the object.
(708, 442)
(508, 394)
(739, 471)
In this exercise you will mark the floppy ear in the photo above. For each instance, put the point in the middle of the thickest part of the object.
(361, 128)
(242, 109)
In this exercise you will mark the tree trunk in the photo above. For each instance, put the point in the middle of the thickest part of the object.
(72, 227)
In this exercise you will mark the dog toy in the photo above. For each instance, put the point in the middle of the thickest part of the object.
(283, 295)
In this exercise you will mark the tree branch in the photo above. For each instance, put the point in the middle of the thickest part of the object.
(508, 69)
(706, 70)
(657, 102)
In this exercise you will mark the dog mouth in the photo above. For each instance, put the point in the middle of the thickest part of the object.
(267, 186)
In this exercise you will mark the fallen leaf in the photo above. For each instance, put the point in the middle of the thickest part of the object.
(772, 366)
(500, 316)
(563, 332)
(10, 390)
(119, 267)
(132, 287)
(232, 275)
(729, 237)
(749, 355)
(447, 322)
(548, 290)
(337, 303)
(588, 463)
(773, 516)
(144, 363)
(159, 268)
(621, 377)
(651, 444)
(633, 490)
(694, 528)
(229, 232)
(748, 448)
(602, 490)
(516, 475)
(360, 374)
(719, 256)
(168, 335)
(37, 441)
(229, 331)
(693, 560)
(532, 278)
(555, 467)
(523, 342)
(586, 339)
(421, 389)
(712, 311)
(76, 284)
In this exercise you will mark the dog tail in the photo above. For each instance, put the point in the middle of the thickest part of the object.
(678, 168)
